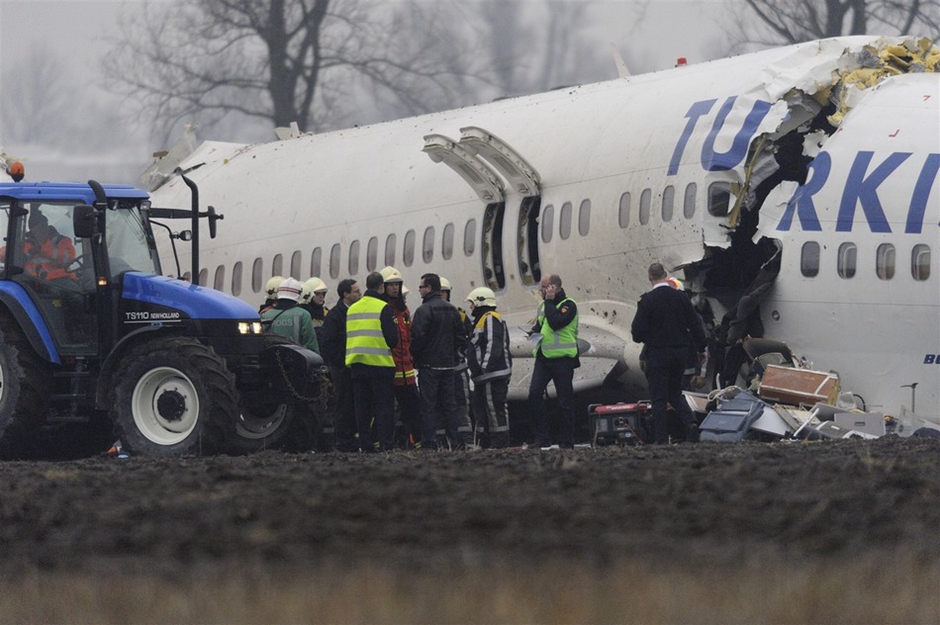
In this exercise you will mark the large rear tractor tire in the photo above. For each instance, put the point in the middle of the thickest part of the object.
(24, 380)
(174, 397)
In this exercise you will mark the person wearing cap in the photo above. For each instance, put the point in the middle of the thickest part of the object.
(490, 367)
(48, 253)
(406, 379)
(461, 375)
(437, 335)
(371, 334)
(270, 293)
(667, 325)
(288, 319)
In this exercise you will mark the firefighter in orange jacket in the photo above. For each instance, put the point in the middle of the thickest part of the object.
(48, 253)
(406, 389)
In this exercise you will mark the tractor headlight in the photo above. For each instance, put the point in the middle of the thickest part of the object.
(249, 327)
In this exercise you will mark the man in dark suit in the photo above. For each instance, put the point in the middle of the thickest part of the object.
(665, 321)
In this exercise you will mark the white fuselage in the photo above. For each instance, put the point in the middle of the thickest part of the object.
(626, 171)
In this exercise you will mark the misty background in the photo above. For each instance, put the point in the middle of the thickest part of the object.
(91, 89)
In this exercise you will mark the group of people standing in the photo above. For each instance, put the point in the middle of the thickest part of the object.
(382, 356)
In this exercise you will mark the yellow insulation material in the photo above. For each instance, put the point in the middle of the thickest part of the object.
(892, 61)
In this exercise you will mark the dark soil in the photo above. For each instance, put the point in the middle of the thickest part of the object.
(695, 505)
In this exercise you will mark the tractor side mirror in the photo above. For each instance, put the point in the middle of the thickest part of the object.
(84, 221)
(185, 235)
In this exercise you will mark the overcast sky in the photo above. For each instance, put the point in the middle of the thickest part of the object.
(78, 32)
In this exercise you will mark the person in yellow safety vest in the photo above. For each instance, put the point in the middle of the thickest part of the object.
(556, 358)
(371, 334)
(461, 377)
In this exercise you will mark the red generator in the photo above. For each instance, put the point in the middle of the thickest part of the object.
(624, 424)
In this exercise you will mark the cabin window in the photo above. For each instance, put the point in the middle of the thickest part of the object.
(470, 237)
(316, 259)
(256, 271)
(427, 246)
(564, 221)
(719, 199)
(203, 276)
(295, 265)
(408, 253)
(335, 252)
(353, 258)
(277, 267)
(372, 253)
(447, 242)
(884, 261)
(809, 259)
(584, 218)
(669, 200)
(390, 243)
(218, 283)
(688, 204)
(646, 200)
(920, 262)
(547, 219)
(237, 279)
(623, 217)
(848, 258)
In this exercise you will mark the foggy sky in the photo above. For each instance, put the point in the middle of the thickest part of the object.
(76, 34)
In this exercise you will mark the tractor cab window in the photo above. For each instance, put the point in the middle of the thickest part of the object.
(4, 222)
(129, 246)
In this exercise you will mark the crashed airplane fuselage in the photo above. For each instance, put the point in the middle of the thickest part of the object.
(794, 190)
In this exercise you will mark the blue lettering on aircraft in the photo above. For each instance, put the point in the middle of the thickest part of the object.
(864, 190)
(915, 216)
(859, 189)
(713, 161)
(932, 359)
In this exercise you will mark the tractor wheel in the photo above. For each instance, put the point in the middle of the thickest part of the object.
(173, 397)
(24, 384)
(263, 425)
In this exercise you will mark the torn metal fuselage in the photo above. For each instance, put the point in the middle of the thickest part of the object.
(819, 195)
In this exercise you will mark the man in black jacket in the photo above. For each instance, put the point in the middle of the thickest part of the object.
(437, 336)
(333, 350)
(666, 322)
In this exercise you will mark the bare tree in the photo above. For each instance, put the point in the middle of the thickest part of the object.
(283, 61)
(793, 21)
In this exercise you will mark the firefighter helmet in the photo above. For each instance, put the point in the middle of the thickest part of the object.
(290, 289)
(482, 296)
(390, 274)
(311, 286)
(270, 289)
(445, 284)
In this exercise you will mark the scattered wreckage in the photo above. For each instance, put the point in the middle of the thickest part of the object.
(775, 397)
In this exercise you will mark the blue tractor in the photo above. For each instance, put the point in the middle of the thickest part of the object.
(91, 332)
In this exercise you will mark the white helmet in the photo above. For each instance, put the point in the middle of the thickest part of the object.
(290, 289)
(482, 296)
(311, 286)
(270, 289)
(445, 284)
(390, 274)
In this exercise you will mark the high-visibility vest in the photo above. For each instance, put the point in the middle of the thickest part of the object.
(365, 342)
(560, 344)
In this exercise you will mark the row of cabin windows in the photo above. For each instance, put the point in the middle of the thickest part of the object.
(719, 205)
(847, 261)
(258, 275)
(719, 195)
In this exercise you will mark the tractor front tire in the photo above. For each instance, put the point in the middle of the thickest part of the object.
(174, 397)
